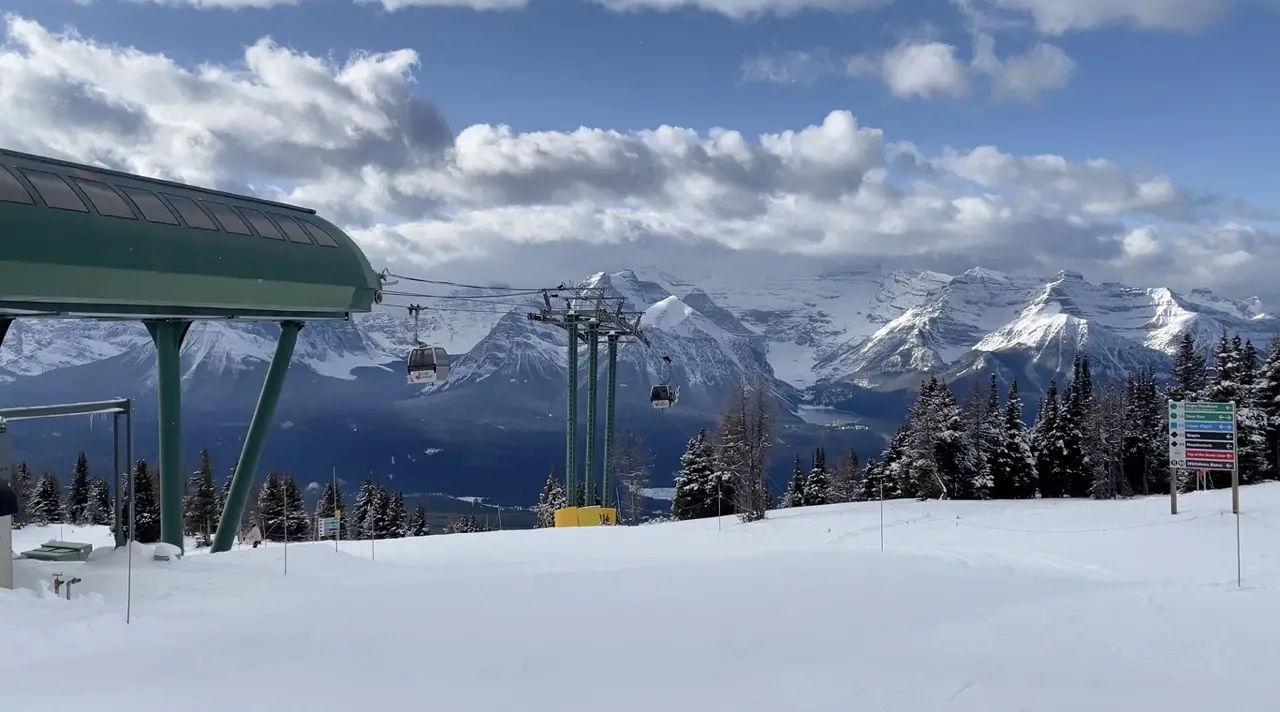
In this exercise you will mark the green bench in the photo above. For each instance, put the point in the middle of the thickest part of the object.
(60, 551)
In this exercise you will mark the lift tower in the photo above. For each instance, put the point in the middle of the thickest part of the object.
(587, 314)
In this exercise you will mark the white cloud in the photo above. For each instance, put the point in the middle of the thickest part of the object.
(1023, 77)
(928, 69)
(745, 9)
(1056, 17)
(354, 140)
(916, 69)
(796, 67)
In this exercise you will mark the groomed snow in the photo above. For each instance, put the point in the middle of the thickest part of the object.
(1058, 606)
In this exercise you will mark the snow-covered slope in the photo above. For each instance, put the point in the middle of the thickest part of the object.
(1051, 606)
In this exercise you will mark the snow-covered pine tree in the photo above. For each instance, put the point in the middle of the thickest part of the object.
(844, 480)
(1046, 445)
(1074, 419)
(1267, 393)
(1146, 456)
(77, 510)
(200, 505)
(981, 413)
(147, 518)
(897, 479)
(869, 482)
(417, 525)
(45, 504)
(361, 525)
(1105, 446)
(1251, 420)
(271, 508)
(954, 452)
(382, 516)
(20, 482)
(794, 496)
(297, 518)
(1012, 466)
(330, 504)
(466, 524)
(816, 484)
(919, 464)
(100, 512)
(695, 485)
(399, 516)
(549, 500)
(1189, 371)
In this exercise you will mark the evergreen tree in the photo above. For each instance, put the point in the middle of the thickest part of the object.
(844, 481)
(1251, 419)
(580, 494)
(897, 480)
(380, 520)
(297, 519)
(1105, 445)
(200, 505)
(330, 505)
(794, 496)
(398, 516)
(1189, 371)
(939, 454)
(271, 508)
(147, 517)
(695, 490)
(100, 511)
(417, 523)
(1074, 419)
(45, 504)
(1013, 466)
(20, 483)
(365, 498)
(1267, 394)
(816, 484)
(1047, 447)
(466, 524)
(871, 481)
(77, 510)
(1146, 453)
(551, 499)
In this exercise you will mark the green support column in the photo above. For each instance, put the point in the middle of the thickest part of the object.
(610, 405)
(168, 336)
(593, 377)
(571, 418)
(247, 465)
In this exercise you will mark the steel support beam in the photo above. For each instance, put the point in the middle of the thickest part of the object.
(247, 465)
(571, 418)
(610, 406)
(593, 378)
(168, 336)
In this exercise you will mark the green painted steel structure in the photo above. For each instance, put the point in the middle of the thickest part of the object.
(77, 241)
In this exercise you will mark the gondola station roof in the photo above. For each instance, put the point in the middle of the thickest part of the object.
(80, 241)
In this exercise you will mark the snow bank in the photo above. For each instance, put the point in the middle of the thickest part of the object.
(1052, 606)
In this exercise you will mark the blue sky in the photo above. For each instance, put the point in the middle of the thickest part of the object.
(1193, 102)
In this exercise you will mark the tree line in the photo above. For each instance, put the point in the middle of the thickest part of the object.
(1086, 440)
(279, 509)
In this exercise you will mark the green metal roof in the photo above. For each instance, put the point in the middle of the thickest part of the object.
(77, 240)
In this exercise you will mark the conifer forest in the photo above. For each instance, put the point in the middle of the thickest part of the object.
(1086, 439)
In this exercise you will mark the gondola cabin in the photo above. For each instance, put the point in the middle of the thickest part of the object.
(428, 364)
(662, 397)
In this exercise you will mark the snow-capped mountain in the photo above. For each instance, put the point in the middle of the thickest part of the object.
(708, 348)
(849, 346)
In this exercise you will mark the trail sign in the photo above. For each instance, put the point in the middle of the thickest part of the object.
(328, 526)
(1202, 436)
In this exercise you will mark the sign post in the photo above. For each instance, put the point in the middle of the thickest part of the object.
(1202, 436)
